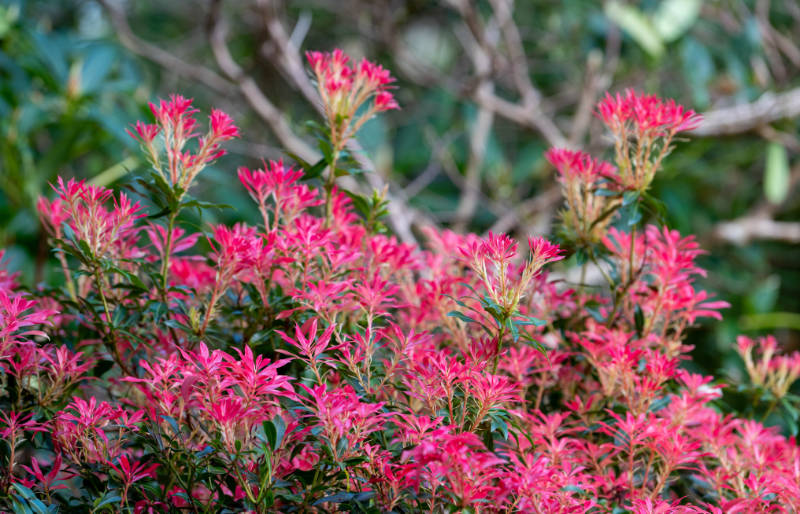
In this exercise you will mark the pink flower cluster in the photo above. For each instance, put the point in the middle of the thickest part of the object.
(318, 366)
(581, 177)
(647, 115)
(176, 124)
(345, 88)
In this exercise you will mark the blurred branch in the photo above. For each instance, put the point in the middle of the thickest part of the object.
(287, 52)
(759, 223)
(748, 116)
(743, 230)
(442, 154)
(597, 78)
(257, 100)
(161, 57)
(775, 43)
(480, 53)
(544, 204)
(770, 51)
(591, 86)
(250, 91)
(402, 216)
(478, 138)
(528, 112)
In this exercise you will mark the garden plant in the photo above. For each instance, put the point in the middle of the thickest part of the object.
(314, 363)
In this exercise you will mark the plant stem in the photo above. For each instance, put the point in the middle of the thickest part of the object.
(329, 189)
(771, 407)
(499, 347)
(68, 277)
(165, 271)
(583, 278)
(167, 253)
(110, 337)
(210, 311)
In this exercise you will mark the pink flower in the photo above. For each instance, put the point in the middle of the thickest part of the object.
(179, 241)
(175, 119)
(310, 344)
(145, 133)
(16, 424)
(577, 165)
(646, 113)
(543, 251)
(175, 114)
(274, 182)
(222, 126)
(345, 88)
(104, 223)
(766, 367)
(92, 431)
(52, 214)
(131, 472)
(53, 479)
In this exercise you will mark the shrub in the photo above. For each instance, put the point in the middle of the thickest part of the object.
(314, 363)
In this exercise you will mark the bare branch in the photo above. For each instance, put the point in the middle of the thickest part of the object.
(743, 230)
(401, 215)
(595, 81)
(518, 61)
(288, 55)
(528, 113)
(161, 57)
(478, 139)
(543, 204)
(529, 116)
(740, 118)
(591, 85)
(480, 130)
(252, 93)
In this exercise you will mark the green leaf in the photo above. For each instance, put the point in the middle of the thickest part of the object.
(514, 330)
(315, 170)
(461, 316)
(629, 197)
(776, 174)
(581, 256)
(630, 215)
(530, 320)
(34, 504)
(638, 317)
(361, 204)
(280, 430)
(674, 17)
(660, 403)
(605, 192)
(271, 434)
(762, 297)
(595, 314)
(637, 26)
(499, 422)
(698, 68)
(106, 500)
(794, 414)
(771, 321)
(97, 64)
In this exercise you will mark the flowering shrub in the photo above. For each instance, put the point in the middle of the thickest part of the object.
(314, 363)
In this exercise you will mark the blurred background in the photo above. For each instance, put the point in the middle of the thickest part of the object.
(485, 87)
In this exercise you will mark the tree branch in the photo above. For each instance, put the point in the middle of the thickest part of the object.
(161, 57)
(748, 116)
(748, 228)
(254, 96)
